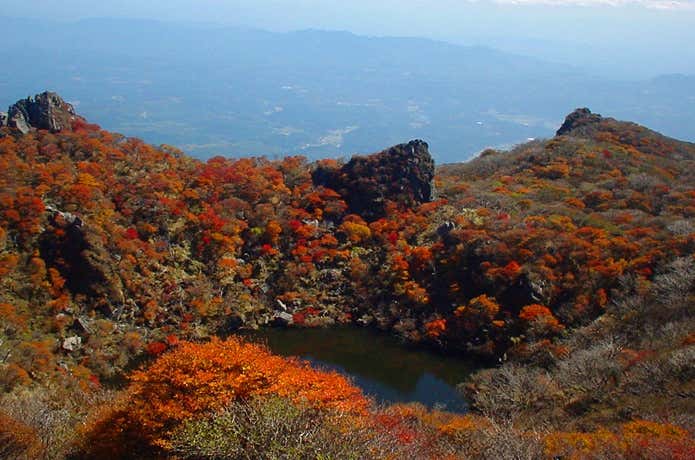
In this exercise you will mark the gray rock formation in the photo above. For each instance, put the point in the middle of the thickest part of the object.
(72, 343)
(402, 174)
(43, 111)
(578, 119)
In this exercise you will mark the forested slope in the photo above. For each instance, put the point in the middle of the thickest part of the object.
(114, 251)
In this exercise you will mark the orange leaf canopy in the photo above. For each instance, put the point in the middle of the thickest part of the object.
(195, 379)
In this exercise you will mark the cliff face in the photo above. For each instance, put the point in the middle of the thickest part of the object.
(402, 174)
(43, 111)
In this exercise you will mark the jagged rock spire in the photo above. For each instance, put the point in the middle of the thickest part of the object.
(43, 111)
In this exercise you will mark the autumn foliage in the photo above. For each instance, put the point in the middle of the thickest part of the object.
(96, 226)
(113, 250)
(17, 440)
(634, 440)
(193, 380)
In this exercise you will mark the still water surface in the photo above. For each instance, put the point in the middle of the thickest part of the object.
(378, 363)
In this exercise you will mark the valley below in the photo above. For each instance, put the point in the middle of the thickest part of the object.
(321, 94)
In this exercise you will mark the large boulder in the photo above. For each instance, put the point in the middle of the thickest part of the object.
(43, 111)
(402, 174)
(72, 343)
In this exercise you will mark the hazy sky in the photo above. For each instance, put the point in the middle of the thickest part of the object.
(622, 35)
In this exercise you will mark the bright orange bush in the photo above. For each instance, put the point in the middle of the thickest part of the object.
(195, 379)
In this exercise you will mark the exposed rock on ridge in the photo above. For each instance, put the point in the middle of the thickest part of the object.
(43, 111)
(402, 174)
(578, 119)
(583, 123)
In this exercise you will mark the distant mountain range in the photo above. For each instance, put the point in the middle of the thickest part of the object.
(237, 92)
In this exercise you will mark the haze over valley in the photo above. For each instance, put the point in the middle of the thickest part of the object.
(214, 90)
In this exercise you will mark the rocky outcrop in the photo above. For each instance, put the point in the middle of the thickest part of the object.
(78, 254)
(402, 174)
(72, 343)
(43, 111)
(578, 119)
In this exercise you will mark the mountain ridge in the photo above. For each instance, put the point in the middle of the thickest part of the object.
(331, 195)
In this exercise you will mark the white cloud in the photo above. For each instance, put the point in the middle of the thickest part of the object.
(652, 4)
